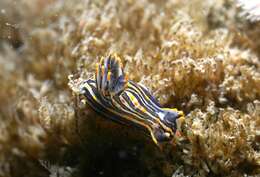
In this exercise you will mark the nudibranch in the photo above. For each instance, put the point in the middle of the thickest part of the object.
(110, 93)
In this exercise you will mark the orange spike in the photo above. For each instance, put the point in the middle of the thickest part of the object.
(109, 76)
(126, 77)
(96, 68)
(102, 60)
(103, 70)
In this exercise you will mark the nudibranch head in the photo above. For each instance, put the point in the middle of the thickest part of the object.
(111, 94)
(173, 118)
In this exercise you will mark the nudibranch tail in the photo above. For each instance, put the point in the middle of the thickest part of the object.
(111, 94)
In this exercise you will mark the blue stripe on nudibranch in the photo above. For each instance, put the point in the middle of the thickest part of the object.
(102, 107)
(126, 102)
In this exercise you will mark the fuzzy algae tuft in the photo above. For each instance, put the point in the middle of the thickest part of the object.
(201, 57)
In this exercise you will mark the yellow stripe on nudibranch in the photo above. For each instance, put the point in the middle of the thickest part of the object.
(114, 96)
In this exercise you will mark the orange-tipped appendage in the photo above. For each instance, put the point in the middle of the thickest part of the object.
(108, 75)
